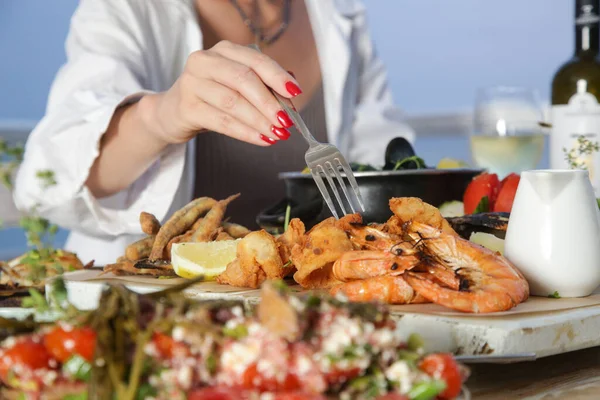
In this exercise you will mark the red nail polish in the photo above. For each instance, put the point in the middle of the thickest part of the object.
(281, 133)
(284, 119)
(267, 139)
(292, 74)
(292, 88)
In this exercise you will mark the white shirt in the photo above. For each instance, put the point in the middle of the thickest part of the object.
(118, 50)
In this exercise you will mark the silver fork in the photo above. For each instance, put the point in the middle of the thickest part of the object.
(325, 161)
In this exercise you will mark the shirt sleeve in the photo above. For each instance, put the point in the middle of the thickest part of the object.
(105, 69)
(377, 120)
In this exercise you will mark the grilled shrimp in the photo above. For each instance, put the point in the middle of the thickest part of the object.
(386, 289)
(374, 238)
(365, 264)
(488, 282)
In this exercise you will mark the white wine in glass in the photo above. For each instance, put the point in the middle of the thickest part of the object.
(507, 136)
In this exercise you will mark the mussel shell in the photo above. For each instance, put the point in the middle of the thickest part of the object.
(494, 223)
(398, 149)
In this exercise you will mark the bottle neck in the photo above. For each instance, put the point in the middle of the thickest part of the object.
(587, 24)
(586, 41)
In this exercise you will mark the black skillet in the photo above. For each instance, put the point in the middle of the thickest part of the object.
(434, 186)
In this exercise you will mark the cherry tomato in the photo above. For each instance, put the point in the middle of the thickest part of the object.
(252, 379)
(63, 344)
(167, 346)
(481, 186)
(443, 366)
(164, 344)
(27, 354)
(506, 194)
(341, 376)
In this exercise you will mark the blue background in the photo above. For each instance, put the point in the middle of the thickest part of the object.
(437, 52)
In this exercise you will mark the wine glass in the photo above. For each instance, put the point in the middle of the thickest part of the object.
(507, 136)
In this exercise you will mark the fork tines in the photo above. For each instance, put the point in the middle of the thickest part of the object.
(331, 167)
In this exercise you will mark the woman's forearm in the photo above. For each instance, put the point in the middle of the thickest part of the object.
(127, 149)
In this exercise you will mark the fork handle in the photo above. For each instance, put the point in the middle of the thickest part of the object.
(297, 120)
(294, 115)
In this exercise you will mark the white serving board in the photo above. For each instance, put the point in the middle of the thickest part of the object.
(85, 287)
(543, 333)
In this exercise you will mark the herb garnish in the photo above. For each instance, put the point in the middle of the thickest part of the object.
(483, 206)
(57, 299)
(36, 300)
(415, 342)
(238, 332)
(427, 390)
(416, 159)
(211, 363)
(554, 295)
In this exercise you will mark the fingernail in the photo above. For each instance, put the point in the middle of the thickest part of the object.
(281, 133)
(284, 119)
(267, 139)
(292, 74)
(292, 88)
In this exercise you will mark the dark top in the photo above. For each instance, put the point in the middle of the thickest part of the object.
(225, 166)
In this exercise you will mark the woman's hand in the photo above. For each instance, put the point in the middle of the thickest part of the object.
(224, 89)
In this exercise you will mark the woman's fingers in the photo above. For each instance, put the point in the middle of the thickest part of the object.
(224, 65)
(242, 79)
(213, 119)
(269, 71)
(233, 103)
(227, 90)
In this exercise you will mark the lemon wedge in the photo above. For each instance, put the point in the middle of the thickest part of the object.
(208, 259)
(450, 163)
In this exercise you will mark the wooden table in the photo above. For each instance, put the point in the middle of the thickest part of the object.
(573, 376)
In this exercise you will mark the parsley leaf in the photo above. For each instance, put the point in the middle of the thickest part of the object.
(483, 206)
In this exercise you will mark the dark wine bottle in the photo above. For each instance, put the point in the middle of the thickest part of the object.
(575, 110)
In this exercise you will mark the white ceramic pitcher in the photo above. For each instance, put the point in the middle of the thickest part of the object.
(553, 234)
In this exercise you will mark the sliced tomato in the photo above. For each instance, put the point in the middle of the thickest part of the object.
(253, 379)
(506, 194)
(64, 343)
(167, 346)
(341, 376)
(483, 185)
(26, 354)
(444, 366)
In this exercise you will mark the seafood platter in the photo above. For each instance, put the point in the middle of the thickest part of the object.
(204, 308)
(432, 271)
